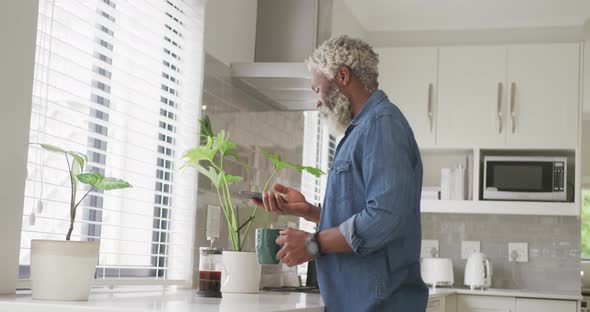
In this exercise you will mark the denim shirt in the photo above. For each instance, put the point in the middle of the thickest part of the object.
(373, 196)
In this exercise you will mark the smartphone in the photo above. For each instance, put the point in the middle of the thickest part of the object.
(255, 195)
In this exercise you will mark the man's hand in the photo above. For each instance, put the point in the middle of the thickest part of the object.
(293, 252)
(288, 201)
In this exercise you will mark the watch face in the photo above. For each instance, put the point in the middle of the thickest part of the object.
(312, 247)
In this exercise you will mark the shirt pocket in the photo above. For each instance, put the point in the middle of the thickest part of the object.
(340, 181)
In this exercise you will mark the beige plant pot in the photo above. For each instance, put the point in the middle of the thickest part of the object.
(241, 272)
(63, 270)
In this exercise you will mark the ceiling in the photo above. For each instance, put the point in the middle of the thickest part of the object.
(423, 15)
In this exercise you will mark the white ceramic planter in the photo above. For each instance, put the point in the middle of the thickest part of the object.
(241, 272)
(62, 270)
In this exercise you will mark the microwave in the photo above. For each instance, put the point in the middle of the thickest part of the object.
(525, 178)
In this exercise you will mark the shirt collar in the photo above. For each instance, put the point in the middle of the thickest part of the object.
(373, 100)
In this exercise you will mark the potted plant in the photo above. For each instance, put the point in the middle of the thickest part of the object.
(64, 270)
(242, 271)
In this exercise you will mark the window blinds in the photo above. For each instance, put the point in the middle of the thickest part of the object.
(119, 81)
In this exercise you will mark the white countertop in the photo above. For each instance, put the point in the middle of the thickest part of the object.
(181, 300)
(520, 293)
(186, 300)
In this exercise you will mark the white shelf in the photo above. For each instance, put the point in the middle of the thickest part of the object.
(500, 207)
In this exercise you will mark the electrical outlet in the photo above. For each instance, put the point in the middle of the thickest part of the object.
(518, 252)
(429, 248)
(468, 248)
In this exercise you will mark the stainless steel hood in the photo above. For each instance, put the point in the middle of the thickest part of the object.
(286, 84)
(286, 33)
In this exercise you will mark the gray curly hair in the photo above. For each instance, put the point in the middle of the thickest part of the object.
(353, 53)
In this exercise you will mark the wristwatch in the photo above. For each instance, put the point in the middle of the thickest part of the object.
(312, 245)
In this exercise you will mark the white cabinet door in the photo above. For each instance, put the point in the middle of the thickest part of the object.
(408, 76)
(471, 96)
(436, 305)
(543, 99)
(468, 303)
(542, 305)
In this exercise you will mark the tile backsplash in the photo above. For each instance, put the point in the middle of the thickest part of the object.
(251, 120)
(553, 245)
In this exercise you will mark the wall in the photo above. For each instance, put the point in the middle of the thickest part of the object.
(586, 68)
(554, 248)
(230, 30)
(586, 153)
(344, 23)
(250, 122)
(19, 23)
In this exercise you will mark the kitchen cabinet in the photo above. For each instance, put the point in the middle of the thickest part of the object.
(471, 102)
(437, 304)
(543, 95)
(518, 95)
(542, 305)
(524, 96)
(468, 303)
(408, 76)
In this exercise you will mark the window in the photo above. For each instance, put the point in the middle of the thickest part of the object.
(89, 95)
(586, 224)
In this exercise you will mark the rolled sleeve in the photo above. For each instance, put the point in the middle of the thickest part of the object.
(390, 187)
(347, 230)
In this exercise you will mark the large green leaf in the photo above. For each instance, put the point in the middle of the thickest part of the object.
(311, 170)
(223, 143)
(203, 152)
(277, 161)
(79, 158)
(211, 173)
(75, 170)
(231, 179)
(100, 182)
(233, 154)
(110, 183)
(53, 148)
(206, 129)
(91, 178)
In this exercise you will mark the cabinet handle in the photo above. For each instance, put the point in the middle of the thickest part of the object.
(430, 114)
(500, 92)
(512, 104)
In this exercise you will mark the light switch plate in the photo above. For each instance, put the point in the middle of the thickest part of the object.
(468, 248)
(518, 252)
(429, 248)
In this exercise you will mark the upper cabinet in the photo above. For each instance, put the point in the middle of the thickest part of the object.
(408, 76)
(543, 95)
(470, 96)
(524, 96)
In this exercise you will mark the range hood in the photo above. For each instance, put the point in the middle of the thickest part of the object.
(286, 33)
(287, 85)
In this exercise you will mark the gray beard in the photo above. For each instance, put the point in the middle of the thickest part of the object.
(337, 110)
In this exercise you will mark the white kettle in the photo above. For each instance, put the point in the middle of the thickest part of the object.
(478, 271)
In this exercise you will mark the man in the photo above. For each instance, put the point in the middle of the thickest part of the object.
(367, 249)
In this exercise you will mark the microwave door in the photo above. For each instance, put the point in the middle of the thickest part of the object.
(518, 180)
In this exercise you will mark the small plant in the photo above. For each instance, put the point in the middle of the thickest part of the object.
(95, 180)
(208, 158)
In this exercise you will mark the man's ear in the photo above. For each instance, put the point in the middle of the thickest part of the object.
(343, 76)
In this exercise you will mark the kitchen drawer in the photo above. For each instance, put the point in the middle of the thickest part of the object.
(469, 303)
(543, 305)
(436, 305)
